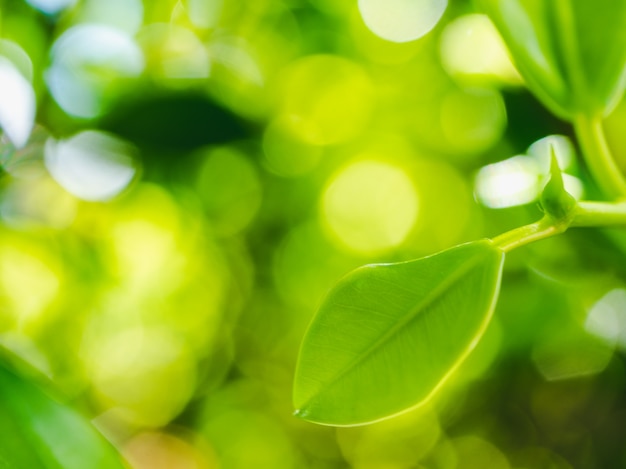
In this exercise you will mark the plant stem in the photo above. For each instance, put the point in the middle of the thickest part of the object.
(599, 214)
(544, 228)
(597, 155)
(584, 214)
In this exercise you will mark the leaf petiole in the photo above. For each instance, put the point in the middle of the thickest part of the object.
(584, 214)
(518, 237)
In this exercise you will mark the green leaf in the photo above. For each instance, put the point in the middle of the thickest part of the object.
(572, 53)
(37, 431)
(388, 335)
(600, 33)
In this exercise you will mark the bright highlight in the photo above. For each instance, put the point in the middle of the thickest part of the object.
(401, 20)
(17, 104)
(370, 206)
(471, 45)
(91, 165)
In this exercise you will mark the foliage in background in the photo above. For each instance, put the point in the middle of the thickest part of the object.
(185, 180)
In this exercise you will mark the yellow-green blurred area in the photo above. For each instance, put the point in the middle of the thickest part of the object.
(183, 180)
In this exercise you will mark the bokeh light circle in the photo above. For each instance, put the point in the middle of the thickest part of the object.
(473, 120)
(86, 60)
(91, 165)
(471, 47)
(51, 7)
(17, 104)
(286, 154)
(402, 20)
(327, 99)
(127, 367)
(370, 206)
(230, 189)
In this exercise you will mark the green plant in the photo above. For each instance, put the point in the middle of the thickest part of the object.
(40, 431)
(388, 336)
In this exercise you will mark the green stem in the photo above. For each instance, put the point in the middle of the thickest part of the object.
(597, 155)
(599, 214)
(584, 214)
(544, 228)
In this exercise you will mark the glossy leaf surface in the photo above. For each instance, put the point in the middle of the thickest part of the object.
(36, 431)
(572, 53)
(388, 335)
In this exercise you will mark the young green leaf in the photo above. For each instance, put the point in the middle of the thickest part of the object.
(388, 335)
(572, 53)
(38, 432)
(555, 200)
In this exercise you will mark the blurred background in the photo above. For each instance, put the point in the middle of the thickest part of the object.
(184, 180)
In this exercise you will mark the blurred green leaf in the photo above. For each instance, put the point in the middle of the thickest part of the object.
(389, 335)
(36, 431)
(572, 53)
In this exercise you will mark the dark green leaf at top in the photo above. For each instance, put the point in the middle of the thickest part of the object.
(387, 336)
(572, 53)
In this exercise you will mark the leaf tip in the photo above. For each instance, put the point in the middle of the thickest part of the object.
(555, 200)
(555, 170)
